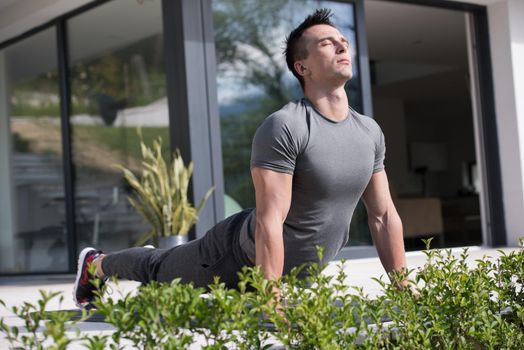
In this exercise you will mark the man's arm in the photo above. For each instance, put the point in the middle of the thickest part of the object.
(273, 198)
(384, 223)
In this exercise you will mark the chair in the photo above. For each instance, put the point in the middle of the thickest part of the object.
(421, 216)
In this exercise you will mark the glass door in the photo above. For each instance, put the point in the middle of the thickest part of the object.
(422, 98)
(118, 85)
(32, 215)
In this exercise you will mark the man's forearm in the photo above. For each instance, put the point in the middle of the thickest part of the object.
(269, 245)
(389, 240)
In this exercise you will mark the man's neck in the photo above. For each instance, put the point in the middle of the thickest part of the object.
(333, 104)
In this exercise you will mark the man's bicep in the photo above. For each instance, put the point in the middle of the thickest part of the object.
(272, 192)
(377, 197)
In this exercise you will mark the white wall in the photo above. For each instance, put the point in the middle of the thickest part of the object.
(6, 203)
(516, 20)
(516, 11)
(507, 53)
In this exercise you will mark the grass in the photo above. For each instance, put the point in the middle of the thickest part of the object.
(122, 139)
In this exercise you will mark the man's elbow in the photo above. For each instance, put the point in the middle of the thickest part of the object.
(268, 226)
(384, 216)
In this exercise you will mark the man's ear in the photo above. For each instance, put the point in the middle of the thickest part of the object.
(300, 68)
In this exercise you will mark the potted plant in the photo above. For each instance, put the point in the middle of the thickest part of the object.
(160, 196)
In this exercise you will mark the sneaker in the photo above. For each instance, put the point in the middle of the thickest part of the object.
(84, 290)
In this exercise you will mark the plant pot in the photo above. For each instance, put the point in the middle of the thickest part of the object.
(171, 241)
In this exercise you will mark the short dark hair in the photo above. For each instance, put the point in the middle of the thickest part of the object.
(295, 49)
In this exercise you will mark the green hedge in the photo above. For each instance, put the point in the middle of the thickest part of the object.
(457, 308)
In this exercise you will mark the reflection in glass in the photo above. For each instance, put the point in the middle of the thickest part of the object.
(118, 84)
(254, 81)
(37, 239)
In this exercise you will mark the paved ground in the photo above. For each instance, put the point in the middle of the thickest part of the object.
(14, 291)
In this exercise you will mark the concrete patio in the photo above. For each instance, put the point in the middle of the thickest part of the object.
(16, 290)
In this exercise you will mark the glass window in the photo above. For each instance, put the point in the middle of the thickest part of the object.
(33, 215)
(253, 80)
(118, 84)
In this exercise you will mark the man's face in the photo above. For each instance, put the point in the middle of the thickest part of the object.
(328, 58)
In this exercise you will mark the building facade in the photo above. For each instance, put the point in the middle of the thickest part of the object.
(444, 79)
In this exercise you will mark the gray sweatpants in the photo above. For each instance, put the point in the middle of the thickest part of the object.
(218, 253)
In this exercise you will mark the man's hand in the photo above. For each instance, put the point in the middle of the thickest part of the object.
(400, 280)
(384, 223)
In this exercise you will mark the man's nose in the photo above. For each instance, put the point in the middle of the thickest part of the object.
(341, 47)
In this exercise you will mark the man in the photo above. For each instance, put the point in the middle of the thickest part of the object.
(311, 162)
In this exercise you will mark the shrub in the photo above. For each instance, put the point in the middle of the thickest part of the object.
(455, 307)
(458, 307)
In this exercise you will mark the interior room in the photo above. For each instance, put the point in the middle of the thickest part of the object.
(421, 99)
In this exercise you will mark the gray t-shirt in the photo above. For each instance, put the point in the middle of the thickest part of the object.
(331, 163)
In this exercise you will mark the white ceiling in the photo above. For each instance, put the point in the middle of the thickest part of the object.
(420, 52)
(20, 16)
(416, 34)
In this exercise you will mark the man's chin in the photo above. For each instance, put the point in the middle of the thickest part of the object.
(345, 73)
(345, 76)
